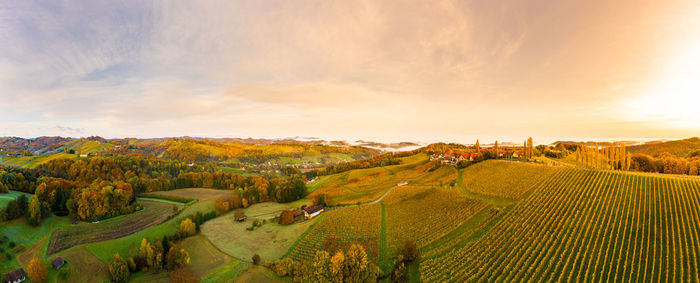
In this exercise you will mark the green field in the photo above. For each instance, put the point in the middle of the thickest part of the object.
(7, 197)
(365, 185)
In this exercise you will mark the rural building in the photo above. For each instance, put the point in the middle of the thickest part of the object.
(84, 155)
(402, 183)
(58, 262)
(15, 276)
(312, 211)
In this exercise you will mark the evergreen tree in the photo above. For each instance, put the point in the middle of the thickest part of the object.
(495, 149)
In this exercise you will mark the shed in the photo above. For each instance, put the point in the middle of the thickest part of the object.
(58, 262)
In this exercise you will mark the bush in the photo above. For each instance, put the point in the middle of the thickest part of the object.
(286, 217)
(119, 269)
(410, 251)
(400, 272)
(554, 154)
(187, 228)
(283, 267)
(177, 257)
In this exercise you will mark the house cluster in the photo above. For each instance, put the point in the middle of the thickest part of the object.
(454, 158)
(18, 275)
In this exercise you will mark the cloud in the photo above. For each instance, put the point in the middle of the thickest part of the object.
(69, 131)
(318, 68)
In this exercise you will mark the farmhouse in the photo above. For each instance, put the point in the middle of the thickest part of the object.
(58, 262)
(84, 154)
(15, 276)
(312, 211)
(402, 183)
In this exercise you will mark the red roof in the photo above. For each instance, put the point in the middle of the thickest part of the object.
(313, 208)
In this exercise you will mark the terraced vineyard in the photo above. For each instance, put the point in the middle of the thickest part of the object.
(424, 214)
(582, 225)
(338, 230)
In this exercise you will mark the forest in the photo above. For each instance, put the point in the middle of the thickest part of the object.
(101, 187)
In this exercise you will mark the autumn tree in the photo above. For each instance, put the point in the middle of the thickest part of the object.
(37, 271)
(283, 267)
(177, 257)
(187, 227)
(34, 212)
(286, 217)
(222, 206)
(146, 252)
(478, 147)
(410, 251)
(119, 269)
(495, 149)
(235, 201)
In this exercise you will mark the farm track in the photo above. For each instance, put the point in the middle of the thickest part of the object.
(154, 213)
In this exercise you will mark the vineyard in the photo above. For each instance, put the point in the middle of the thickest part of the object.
(583, 225)
(504, 179)
(338, 230)
(424, 214)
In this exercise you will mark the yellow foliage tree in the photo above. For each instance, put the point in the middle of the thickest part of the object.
(187, 227)
(37, 270)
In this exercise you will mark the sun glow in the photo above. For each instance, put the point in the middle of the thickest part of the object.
(674, 99)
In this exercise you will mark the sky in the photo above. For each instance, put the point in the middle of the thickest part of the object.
(377, 70)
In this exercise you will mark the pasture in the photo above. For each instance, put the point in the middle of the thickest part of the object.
(277, 238)
(366, 185)
(82, 265)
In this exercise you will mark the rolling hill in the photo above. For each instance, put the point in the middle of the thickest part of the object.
(515, 221)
